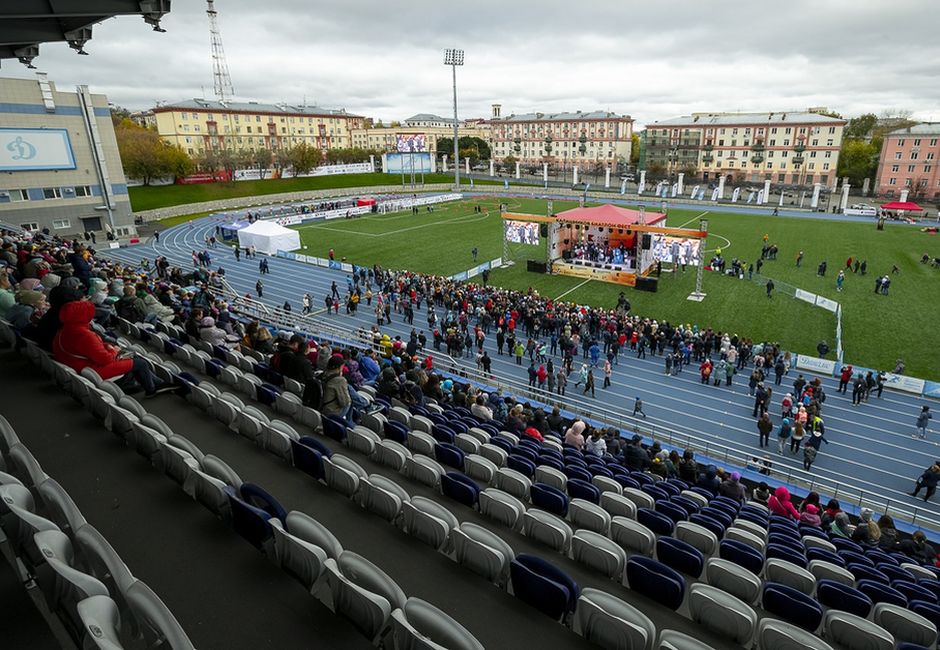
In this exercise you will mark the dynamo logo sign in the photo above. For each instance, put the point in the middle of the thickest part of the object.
(35, 149)
(23, 149)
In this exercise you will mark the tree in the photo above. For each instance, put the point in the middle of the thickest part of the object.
(509, 164)
(145, 156)
(861, 127)
(119, 114)
(655, 169)
(480, 146)
(634, 150)
(858, 161)
(178, 162)
(229, 161)
(262, 159)
(304, 158)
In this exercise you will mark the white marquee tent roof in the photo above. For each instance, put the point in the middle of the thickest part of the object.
(269, 237)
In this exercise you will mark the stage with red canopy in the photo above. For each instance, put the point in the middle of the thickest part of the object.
(908, 206)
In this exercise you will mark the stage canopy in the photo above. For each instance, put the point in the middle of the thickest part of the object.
(910, 206)
(269, 237)
(610, 215)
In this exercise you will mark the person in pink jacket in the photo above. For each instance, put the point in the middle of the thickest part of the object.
(575, 435)
(780, 504)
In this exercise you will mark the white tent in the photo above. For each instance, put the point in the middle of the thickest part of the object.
(269, 237)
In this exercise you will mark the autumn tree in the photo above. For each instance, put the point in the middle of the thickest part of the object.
(146, 156)
(304, 158)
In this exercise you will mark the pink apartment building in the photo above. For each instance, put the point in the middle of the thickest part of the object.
(909, 161)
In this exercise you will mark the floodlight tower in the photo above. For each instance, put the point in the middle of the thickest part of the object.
(220, 75)
(453, 58)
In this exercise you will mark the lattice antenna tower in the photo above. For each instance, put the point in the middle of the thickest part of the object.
(220, 75)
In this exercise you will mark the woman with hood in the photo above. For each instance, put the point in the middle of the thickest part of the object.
(780, 504)
(708, 480)
(78, 347)
(213, 335)
(866, 532)
(889, 534)
(810, 516)
(841, 527)
(388, 385)
(732, 488)
(786, 430)
(811, 499)
(574, 436)
(829, 514)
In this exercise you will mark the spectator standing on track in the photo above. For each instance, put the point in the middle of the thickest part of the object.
(589, 383)
(607, 372)
(796, 438)
(764, 427)
(306, 302)
(785, 431)
(923, 418)
(845, 375)
(259, 288)
(858, 390)
(927, 481)
(238, 253)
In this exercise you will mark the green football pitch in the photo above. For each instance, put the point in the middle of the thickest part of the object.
(877, 329)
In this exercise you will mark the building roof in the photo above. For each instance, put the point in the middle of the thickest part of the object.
(251, 107)
(926, 128)
(726, 119)
(560, 117)
(609, 215)
(428, 117)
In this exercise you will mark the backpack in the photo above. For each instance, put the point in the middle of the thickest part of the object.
(313, 393)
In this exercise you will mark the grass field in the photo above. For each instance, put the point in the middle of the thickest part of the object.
(162, 196)
(877, 329)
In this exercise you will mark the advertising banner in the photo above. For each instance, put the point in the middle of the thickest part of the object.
(815, 364)
(806, 296)
(410, 142)
(825, 303)
(904, 383)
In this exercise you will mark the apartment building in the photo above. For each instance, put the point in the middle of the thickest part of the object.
(908, 162)
(785, 147)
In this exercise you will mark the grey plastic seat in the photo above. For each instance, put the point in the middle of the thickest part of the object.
(854, 632)
(919, 571)
(178, 459)
(640, 498)
(605, 484)
(698, 536)
(483, 552)
(722, 613)
(467, 443)
(584, 514)
(751, 527)
(391, 454)
(618, 505)
(512, 438)
(159, 626)
(494, 454)
(823, 570)
(24, 466)
(598, 552)
(696, 497)
(675, 640)
(209, 481)
(632, 536)
(422, 424)
(480, 435)
(789, 574)
(547, 529)
(296, 550)
(745, 537)
(64, 586)
(733, 579)
(60, 507)
(104, 563)
(423, 470)
(429, 521)
(363, 593)
(904, 625)
(401, 415)
(375, 421)
(343, 474)
(8, 437)
(551, 476)
(419, 626)
(99, 403)
(248, 385)
(120, 421)
(610, 623)
(21, 525)
(419, 442)
(479, 467)
(276, 438)
(774, 634)
(226, 408)
(811, 541)
(382, 496)
(100, 619)
(288, 403)
(362, 439)
(250, 423)
(502, 507)
(513, 482)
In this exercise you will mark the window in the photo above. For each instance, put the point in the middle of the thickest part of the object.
(832, 129)
(907, 182)
(933, 142)
(186, 128)
(802, 130)
(829, 142)
(734, 143)
(812, 154)
(825, 166)
(734, 131)
(59, 224)
(770, 154)
(82, 190)
(929, 156)
(721, 143)
(52, 192)
(895, 168)
(787, 130)
(19, 195)
(209, 117)
(29, 226)
(786, 142)
(913, 155)
(781, 178)
(916, 142)
(927, 169)
(897, 155)
(892, 181)
(257, 118)
(812, 165)
(910, 169)
(815, 142)
(195, 116)
(901, 142)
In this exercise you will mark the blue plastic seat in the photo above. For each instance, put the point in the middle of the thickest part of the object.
(267, 394)
(786, 522)
(550, 461)
(395, 431)
(913, 591)
(836, 595)
(460, 487)
(214, 367)
(896, 572)
(458, 426)
(502, 443)
(549, 498)
(656, 492)
(543, 585)
(627, 481)
(571, 461)
(718, 515)
(792, 605)
(643, 479)
(450, 455)
(742, 555)
(730, 504)
(812, 531)
(573, 472)
(443, 433)
(672, 510)
(669, 488)
(526, 452)
(679, 555)
(711, 524)
(552, 453)
(933, 586)
(580, 489)
(786, 553)
(851, 557)
(679, 483)
(817, 553)
(308, 454)
(656, 580)
(753, 517)
(930, 611)
(881, 593)
(598, 470)
(655, 521)
(702, 492)
(489, 428)
(866, 572)
(844, 544)
(334, 427)
(686, 504)
(252, 508)
(878, 556)
(757, 511)
(521, 464)
(776, 528)
(784, 540)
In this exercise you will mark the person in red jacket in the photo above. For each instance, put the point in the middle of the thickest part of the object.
(78, 346)
(780, 504)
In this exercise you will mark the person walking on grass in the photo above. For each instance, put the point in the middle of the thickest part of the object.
(840, 280)
(923, 419)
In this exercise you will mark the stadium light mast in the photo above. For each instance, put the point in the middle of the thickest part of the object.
(453, 58)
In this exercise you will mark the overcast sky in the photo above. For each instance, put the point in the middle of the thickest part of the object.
(651, 60)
